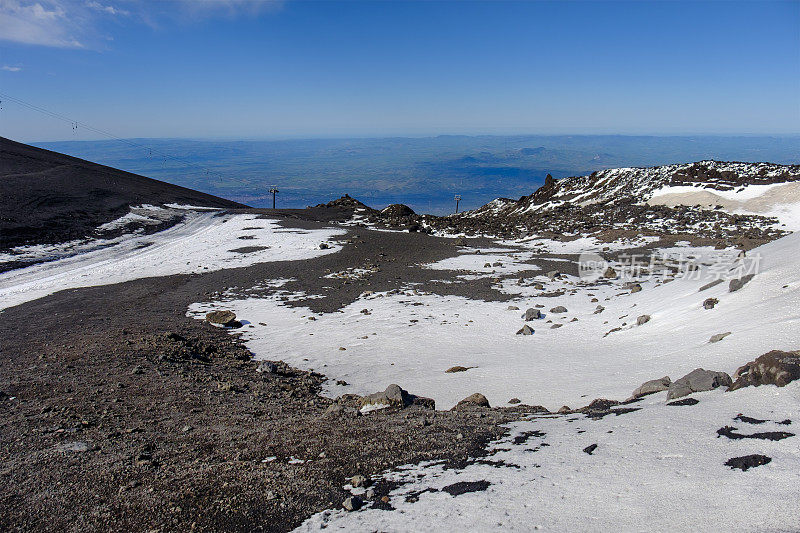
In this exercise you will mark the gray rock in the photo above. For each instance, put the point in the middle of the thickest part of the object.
(643, 319)
(532, 314)
(525, 330)
(635, 288)
(564, 410)
(512, 308)
(610, 273)
(558, 309)
(709, 303)
(698, 380)
(473, 400)
(738, 283)
(393, 396)
(553, 274)
(352, 503)
(652, 386)
(556, 326)
(709, 285)
(718, 336)
(454, 369)
(324, 246)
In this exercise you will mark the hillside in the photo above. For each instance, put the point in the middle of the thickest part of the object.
(47, 197)
(707, 183)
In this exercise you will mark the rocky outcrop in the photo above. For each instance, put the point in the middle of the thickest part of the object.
(651, 387)
(773, 368)
(698, 380)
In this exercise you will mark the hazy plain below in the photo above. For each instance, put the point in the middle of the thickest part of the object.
(423, 172)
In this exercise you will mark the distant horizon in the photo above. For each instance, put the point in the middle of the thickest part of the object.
(318, 137)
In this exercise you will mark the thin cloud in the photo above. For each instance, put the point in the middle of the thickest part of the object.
(108, 10)
(85, 23)
(41, 23)
(10, 69)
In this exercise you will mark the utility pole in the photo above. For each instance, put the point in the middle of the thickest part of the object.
(274, 191)
(457, 198)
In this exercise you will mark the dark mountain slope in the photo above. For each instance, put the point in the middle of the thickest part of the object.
(47, 197)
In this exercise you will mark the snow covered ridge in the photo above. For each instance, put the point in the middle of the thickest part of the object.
(204, 241)
(641, 184)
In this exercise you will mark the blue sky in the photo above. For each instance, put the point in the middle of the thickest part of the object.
(239, 69)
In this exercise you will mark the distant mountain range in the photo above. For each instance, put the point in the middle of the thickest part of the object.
(424, 173)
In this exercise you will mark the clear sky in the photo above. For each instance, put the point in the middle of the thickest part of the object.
(300, 68)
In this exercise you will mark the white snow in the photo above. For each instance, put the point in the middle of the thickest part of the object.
(411, 338)
(658, 469)
(203, 242)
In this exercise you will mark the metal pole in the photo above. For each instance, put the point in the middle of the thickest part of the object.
(457, 197)
(274, 191)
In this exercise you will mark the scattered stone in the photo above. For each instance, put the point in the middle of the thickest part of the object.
(222, 318)
(558, 309)
(643, 319)
(514, 401)
(473, 400)
(324, 246)
(709, 303)
(556, 326)
(738, 283)
(564, 410)
(773, 368)
(590, 449)
(610, 273)
(748, 461)
(525, 330)
(454, 369)
(532, 314)
(651, 387)
(553, 274)
(698, 380)
(365, 312)
(352, 503)
(718, 336)
(512, 308)
(635, 288)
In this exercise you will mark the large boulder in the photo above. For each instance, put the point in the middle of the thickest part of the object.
(558, 309)
(773, 368)
(698, 380)
(397, 397)
(222, 318)
(473, 400)
(652, 386)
